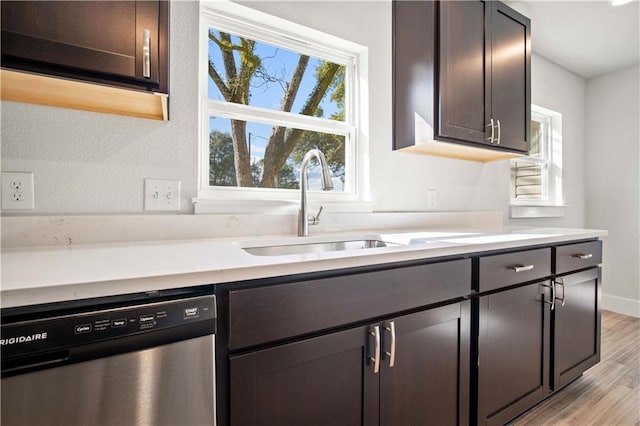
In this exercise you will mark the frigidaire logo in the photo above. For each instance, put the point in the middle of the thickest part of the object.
(23, 339)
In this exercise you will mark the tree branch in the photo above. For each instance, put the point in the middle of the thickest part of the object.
(294, 85)
(213, 73)
(229, 64)
(312, 104)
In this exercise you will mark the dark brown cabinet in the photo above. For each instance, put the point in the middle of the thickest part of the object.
(384, 346)
(576, 313)
(513, 333)
(413, 369)
(122, 43)
(473, 340)
(429, 381)
(317, 381)
(101, 56)
(538, 325)
(463, 88)
(576, 339)
(513, 352)
(510, 77)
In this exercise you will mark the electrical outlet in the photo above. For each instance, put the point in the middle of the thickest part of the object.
(161, 195)
(17, 191)
(431, 198)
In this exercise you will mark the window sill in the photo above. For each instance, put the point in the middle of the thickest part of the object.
(536, 211)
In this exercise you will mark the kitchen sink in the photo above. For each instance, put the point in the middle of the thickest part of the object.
(317, 247)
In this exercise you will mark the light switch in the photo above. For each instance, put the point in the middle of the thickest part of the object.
(161, 195)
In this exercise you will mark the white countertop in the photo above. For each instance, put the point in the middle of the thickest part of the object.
(32, 275)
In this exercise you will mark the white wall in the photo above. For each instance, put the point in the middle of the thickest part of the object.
(612, 162)
(94, 163)
(88, 162)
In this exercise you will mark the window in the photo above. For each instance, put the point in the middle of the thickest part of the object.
(536, 180)
(268, 94)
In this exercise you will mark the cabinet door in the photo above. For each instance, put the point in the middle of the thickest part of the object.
(510, 76)
(320, 381)
(464, 80)
(428, 383)
(513, 352)
(92, 40)
(576, 342)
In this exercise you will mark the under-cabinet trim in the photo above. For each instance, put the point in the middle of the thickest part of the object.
(59, 92)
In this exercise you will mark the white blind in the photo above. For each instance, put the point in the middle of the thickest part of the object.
(528, 180)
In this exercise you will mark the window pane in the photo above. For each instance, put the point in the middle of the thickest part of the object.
(536, 137)
(253, 73)
(251, 147)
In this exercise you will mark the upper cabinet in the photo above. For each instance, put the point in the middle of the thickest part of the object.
(119, 44)
(462, 79)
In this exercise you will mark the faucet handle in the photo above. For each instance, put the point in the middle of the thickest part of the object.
(315, 220)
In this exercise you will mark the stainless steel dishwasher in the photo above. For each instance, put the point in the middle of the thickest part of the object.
(140, 359)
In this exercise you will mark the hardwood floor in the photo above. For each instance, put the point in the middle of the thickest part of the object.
(608, 393)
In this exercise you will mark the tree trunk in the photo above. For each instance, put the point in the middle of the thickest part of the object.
(241, 159)
(237, 90)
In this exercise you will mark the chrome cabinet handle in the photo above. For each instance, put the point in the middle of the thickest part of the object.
(146, 53)
(492, 130)
(375, 359)
(553, 295)
(391, 328)
(583, 256)
(559, 281)
(499, 133)
(521, 268)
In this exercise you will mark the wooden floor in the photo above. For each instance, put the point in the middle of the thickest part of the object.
(608, 393)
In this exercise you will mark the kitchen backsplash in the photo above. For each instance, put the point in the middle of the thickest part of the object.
(30, 231)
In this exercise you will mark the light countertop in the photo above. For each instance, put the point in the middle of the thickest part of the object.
(32, 275)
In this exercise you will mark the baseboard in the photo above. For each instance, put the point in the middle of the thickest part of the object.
(621, 305)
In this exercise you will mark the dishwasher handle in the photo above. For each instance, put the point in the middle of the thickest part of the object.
(34, 362)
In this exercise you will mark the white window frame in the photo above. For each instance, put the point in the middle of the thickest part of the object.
(551, 202)
(246, 22)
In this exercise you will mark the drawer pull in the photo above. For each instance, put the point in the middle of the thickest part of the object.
(391, 328)
(522, 268)
(583, 256)
(553, 295)
(375, 359)
(560, 281)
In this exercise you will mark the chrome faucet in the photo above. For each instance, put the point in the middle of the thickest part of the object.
(327, 185)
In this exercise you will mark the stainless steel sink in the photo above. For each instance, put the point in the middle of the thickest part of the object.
(316, 247)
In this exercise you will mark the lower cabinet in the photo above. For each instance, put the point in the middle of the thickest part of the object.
(318, 381)
(412, 369)
(535, 333)
(428, 383)
(478, 340)
(513, 351)
(576, 325)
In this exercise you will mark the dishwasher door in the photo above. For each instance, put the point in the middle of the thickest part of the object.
(150, 364)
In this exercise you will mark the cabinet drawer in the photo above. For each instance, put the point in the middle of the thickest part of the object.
(503, 270)
(572, 257)
(266, 314)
